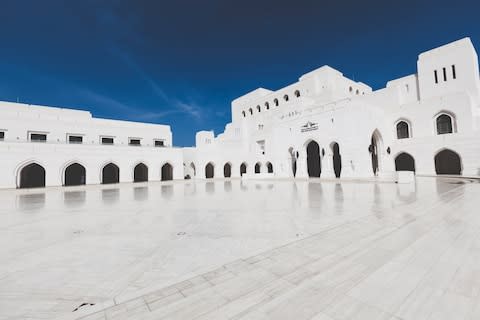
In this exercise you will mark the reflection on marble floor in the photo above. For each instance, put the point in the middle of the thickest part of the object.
(243, 250)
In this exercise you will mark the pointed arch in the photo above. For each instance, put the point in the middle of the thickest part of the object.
(227, 170)
(448, 161)
(243, 168)
(209, 170)
(404, 162)
(140, 173)
(375, 149)
(269, 167)
(314, 165)
(31, 175)
(167, 172)
(110, 173)
(258, 167)
(74, 174)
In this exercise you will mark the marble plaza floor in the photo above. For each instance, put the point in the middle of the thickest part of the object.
(282, 249)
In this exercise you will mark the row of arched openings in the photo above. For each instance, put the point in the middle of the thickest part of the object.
(314, 163)
(444, 124)
(33, 175)
(276, 102)
(227, 169)
(446, 162)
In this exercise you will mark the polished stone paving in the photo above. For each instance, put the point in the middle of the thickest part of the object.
(242, 250)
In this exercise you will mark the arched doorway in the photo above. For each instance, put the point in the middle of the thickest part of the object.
(110, 174)
(209, 171)
(258, 167)
(192, 167)
(167, 172)
(404, 162)
(313, 159)
(337, 159)
(140, 173)
(227, 170)
(269, 167)
(243, 169)
(32, 176)
(374, 149)
(293, 159)
(448, 162)
(75, 175)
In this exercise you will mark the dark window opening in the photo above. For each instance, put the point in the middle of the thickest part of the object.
(257, 167)
(285, 97)
(75, 139)
(107, 140)
(269, 167)
(267, 105)
(402, 130)
(436, 76)
(2, 135)
(444, 74)
(243, 169)
(313, 160)
(297, 93)
(159, 143)
(38, 137)
(134, 142)
(275, 101)
(444, 124)
(454, 73)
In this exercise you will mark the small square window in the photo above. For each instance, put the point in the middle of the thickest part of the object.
(38, 137)
(134, 142)
(2, 135)
(75, 139)
(159, 143)
(107, 140)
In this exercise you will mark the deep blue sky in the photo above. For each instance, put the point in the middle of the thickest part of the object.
(182, 62)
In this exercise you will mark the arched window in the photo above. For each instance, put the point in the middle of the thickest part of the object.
(209, 171)
(403, 130)
(350, 89)
(258, 109)
(357, 92)
(297, 93)
(275, 101)
(269, 167)
(244, 114)
(267, 105)
(250, 110)
(258, 165)
(444, 124)
(285, 97)
(243, 169)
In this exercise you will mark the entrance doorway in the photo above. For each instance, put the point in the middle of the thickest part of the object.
(374, 149)
(75, 175)
(337, 160)
(227, 170)
(404, 162)
(110, 174)
(209, 171)
(448, 162)
(32, 176)
(167, 172)
(313, 159)
(140, 173)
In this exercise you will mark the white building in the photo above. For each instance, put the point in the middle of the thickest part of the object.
(326, 125)
(45, 146)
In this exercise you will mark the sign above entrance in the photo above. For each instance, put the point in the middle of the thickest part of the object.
(309, 126)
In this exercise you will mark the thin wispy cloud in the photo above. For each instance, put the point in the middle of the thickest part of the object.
(190, 108)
